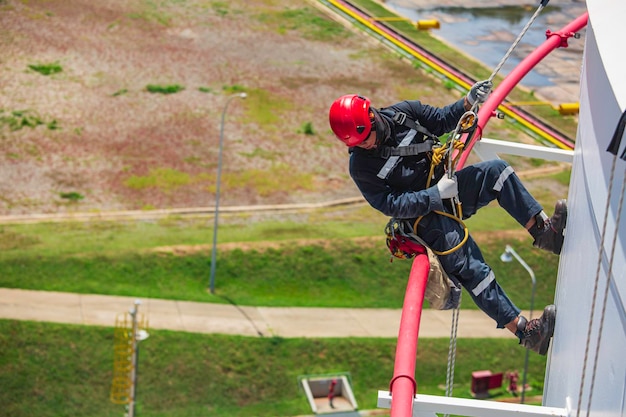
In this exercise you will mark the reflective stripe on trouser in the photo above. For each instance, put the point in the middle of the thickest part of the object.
(480, 184)
(468, 267)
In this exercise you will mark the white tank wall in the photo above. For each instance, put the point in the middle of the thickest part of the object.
(602, 101)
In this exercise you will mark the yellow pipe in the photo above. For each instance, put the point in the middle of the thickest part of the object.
(399, 44)
(563, 108)
(390, 19)
(534, 128)
(427, 24)
(420, 24)
(530, 103)
(568, 108)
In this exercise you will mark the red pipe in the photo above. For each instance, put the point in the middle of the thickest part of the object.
(403, 386)
(487, 111)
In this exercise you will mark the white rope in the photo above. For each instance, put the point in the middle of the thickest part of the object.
(514, 45)
(452, 351)
(606, 291)
(595, 289)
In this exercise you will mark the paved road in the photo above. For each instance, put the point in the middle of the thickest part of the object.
(100, 310)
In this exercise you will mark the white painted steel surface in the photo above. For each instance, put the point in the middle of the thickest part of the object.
(429, 405)
(487, 149)
(602, 101)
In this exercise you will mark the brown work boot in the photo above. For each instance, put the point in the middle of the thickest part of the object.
(549, 233)
(536, 333)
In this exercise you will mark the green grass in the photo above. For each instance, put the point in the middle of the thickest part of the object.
(164, 89)
(72, 196)
(53, 370)
(46, 69)
(310, 23)
(19, 119)
(264, 107)
(161, 178)
(97, 237)
(278, 176)
(343, 274)
(120, 92)
(59, 370)
(314, 264)
(108, 237)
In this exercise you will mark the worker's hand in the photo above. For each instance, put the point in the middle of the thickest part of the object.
(447, 187)
(479, 92)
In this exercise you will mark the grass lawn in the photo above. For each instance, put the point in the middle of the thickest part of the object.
(53, 370)
(58, 370)
(315, 264)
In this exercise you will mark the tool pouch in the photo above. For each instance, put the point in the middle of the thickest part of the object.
(441, 292)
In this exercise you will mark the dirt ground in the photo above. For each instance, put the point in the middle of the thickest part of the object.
(91, 137)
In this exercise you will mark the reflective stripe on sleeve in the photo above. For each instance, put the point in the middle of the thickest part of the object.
(482, 285)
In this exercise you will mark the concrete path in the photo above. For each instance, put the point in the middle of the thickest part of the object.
(101, 310)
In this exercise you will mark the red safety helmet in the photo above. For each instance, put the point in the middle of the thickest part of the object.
(349, 118)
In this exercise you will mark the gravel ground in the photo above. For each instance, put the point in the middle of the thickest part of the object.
(92, 138)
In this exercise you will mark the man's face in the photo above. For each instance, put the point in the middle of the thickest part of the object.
(370, 142)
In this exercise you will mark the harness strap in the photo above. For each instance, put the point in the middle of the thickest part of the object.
(393, 160)
(413, 149)
(405, 148)
(401, 118)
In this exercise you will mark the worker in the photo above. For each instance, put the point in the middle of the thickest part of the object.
(331, 392)
(390, 156)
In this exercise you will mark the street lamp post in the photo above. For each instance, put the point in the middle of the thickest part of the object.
(507, 256)
(217, 190)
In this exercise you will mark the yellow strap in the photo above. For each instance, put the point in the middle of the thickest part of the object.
(455, 248)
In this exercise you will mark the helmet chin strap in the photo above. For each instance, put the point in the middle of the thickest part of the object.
(383, 129)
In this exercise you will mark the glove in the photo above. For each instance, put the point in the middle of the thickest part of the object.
(447, 187)
(479, 92)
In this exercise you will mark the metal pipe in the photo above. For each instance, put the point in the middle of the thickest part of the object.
(134, 360)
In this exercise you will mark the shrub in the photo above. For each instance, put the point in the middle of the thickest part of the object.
(17, 119)
(307, 128)
(449, 85)
(46, 69)
(164, 89)
(120, 92)
(72, 196)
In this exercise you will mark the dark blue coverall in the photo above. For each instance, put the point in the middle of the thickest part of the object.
(403, 195)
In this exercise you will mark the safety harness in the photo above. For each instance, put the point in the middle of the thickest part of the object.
(400, 243)
(405, 148)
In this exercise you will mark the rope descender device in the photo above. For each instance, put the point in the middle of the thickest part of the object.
(468, 121)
